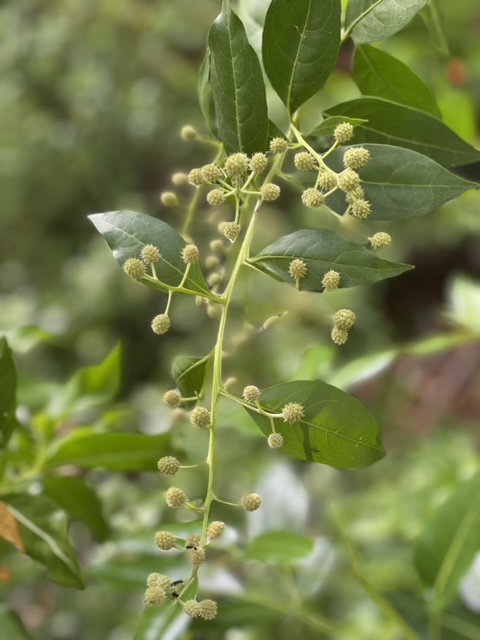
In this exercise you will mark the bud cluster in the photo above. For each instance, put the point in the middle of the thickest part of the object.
(343, 319)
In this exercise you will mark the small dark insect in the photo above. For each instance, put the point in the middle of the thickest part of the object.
(191, 546)
(175, 588)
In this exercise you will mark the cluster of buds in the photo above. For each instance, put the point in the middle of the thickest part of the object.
(343, 319)
(136, 268)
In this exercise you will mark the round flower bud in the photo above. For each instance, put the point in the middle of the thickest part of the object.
(158, 580)
(169, 465)
(312, 198)
(344, 319)
(251, 502)
(207, 609)
(361, 209)
(293, 412)
(134, 268)
(169, 199)
(356, 158)
(171, 398)
(380, 240)
(215, 529)
(231, 230)
(160, 324)
(150, 254)
(165, 540)
(200, 417)
(213, 311)
(211, 262)
(211, 173)
(327, 180)
(179, 179)
(188, 133)
(236, 165)
(304, 161)
(270, 192)
(192, 541)
(198, 557)
(355, 194)
(217, 245)
(331, 280)
(175, 497)
(200, 301)
(297, 268)
(190, 254)
(214, 279)
(191, 608)
(343, 132)
(339, 336)
(178, 416)
(275, 441)
(216, 197)
(258, 162)
(154, 595)
(196, 178)
(251, 393)
(278, 145)
(348, 180)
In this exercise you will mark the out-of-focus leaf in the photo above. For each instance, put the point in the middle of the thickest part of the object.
(464, 308)
(205, 96)
(382, 18)
(435, 21)
(189, 374)
(236, 611)
(279, 547)
(8, 387)
(11, 628)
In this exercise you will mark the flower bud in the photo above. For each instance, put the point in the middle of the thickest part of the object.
(196, 178)
(355, 194)
(304, 161)
(212, 262)
(327, 180)
(380, 240)
(175, 497)
(231, 230)
(356, 158)
(165, 540)
(154, 595)
(278, 145)
(211, 173)
(169, 199)
(179, 179)
(361, 209)
(192, 541)
(216, 197)
(217, 245)
(200, 417)
(297, 268)
(275, 441)
(134, 268)
(312, 198)
(213, 311)
(158, 580)
(150, 254)
(343, 132)
(191, 608)
(331, 280)
(251, 393)
(293, 412)
(190, 254)
(168, 465)
(160, 324)
(270, 192)
(171, 398)
(344, 319)
(207, 609)
(348, 180)
(339, 336)
(215, 529)
(251, 502)
(236, 165)
(188, 133)
(198, 557)
(258, 162)
(214, 279)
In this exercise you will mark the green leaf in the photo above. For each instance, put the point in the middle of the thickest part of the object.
(114, 451)
(435, 20)
(235, 611)
(279, 548)
(189, 374)
(11, 627)
(395, 124)
(381, 18)
(43, 528)
(400, 183)
(323, 251)
(300, 46)
(8, 388)
(237, 84)
(205, 95)
(327, 126)
(127, 232)
(336, 429)
(450, 541)
(79, 500)
(379, 74)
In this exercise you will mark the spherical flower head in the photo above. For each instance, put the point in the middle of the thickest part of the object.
(160, 324)
(192, 541)
(200, 417)
(217, 245)
(344, 319)
(188, 133)
(169, 465)
(348, 180)
(331, 280)
(191, 608)
(380, 240)
(150, 254)
(179, 179)
(251, 502)
(356, 158)
(165, 540)
(327, 180)
(251, 393)
(216, 197)
(175, 497)
(297, 268)
(343, 132)
(198, 557)
(270, 192)
(154, 595)
(212, 262)
(215, 279)
(158, 580)
(312, 198)
(361, 209)
(211, 173)
(293, 412)
(196, 178)
(339, 336)
(275, 441)
(236, 165)
(278, 145)
(207, 609)
(215, 529)
(169, 199)
(304, 161)
(356, 194)
(190, 254)
(231, 230)
(258, 162)
(171, 398)
(134, 268)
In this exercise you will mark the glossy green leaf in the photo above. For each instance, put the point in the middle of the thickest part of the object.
(79, 500)
(127, 232)
(379, 74)
(397, 125)
(115, 451)
(327, 126)
(237, 84)
(450, 541)
(43, 528)
(336, 429)
(189, 374)
(8, 387)
(300, 47)
(400, 183)
(11, 627)
(205, 95)
(323, 251)
(381, 18)
(279, 547)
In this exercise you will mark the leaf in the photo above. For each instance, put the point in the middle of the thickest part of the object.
(43, 529)
(205, 96)
(327, 126)
(400, 183)
(385, 18)
(300, 47)
(79, 500)
(8, 387)
(235, 611)
(237, 85)
(449, 542)
(279, 547)
(114, 451)
(435, 20)
(9, 528)
(378, 74)
(189, 374)
(323, 251)
(336, 429)
(395, 124)
(127, 232)
(10, 625)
